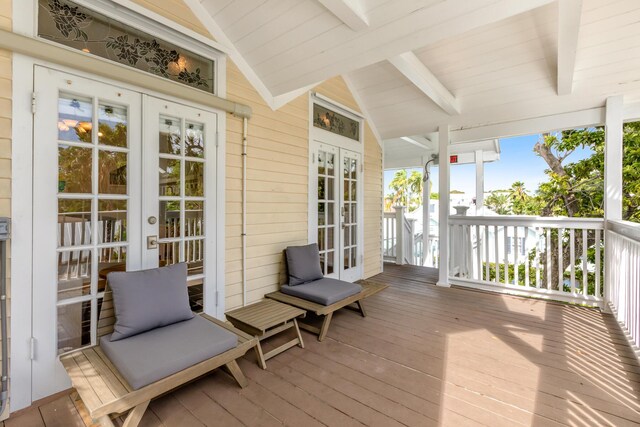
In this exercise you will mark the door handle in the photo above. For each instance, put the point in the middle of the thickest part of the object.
(152, 242)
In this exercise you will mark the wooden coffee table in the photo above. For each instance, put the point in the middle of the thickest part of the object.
(266, 319)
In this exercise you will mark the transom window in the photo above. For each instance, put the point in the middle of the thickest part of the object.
(75, 26)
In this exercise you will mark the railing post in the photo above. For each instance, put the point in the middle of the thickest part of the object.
(613, 152)
(399, 234)
(411, 256)
(444, 184)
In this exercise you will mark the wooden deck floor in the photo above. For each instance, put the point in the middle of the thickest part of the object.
(424, 356)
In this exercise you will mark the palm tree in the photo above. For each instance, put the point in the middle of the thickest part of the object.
(400, 185)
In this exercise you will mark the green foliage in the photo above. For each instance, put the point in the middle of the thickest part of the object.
(407, 190)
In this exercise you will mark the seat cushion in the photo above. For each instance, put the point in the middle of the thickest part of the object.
(324, 291)
(148, 357)
(303, 263)
(148, 299)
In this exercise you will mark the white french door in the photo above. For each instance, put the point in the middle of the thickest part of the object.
(337, 202)
(120, 182)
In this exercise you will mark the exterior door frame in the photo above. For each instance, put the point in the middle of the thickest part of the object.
(22, 215)
(316, 136)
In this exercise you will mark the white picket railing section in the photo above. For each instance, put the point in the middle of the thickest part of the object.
(399, 240)
(514, 253)
(623, 276)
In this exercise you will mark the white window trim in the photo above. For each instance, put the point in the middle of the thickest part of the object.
(342, 142)
(22, 209)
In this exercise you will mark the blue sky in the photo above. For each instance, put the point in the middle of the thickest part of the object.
(517, 162)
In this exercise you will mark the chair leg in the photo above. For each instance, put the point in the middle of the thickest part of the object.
(237, 374)
(134, 417)
(361, 308)
(325, 326)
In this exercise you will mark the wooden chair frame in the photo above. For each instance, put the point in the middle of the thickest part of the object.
(106, 394)
(326, 311)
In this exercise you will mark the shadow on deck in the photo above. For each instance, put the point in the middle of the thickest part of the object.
(424, 356)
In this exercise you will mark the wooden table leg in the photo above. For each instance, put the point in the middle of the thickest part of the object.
(300, 342)
(325, 326)
(260, 356)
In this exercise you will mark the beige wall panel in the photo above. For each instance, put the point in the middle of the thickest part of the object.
(177, 11)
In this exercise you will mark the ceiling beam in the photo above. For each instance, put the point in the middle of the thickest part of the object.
(424, 26)
(418, 141)
(348, 11)
(569, 14)
(413, 69)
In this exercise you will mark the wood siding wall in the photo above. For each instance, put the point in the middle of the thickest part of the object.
(5, 132)
(277, 185)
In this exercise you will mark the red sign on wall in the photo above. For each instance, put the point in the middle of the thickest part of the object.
(453, 159)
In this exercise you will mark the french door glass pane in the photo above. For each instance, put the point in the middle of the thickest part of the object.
(194, 177)
(112, 166)
(169, 225)
(194, 143)
(74, 222)
(74, 273)
(170, 135)
(112, 221)
(112, 125)
(194, 218)
(170, 179)
(74, 169)
(75, 118)
(74, 326)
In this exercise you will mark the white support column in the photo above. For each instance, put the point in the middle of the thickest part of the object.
(613, 159)
(443, 226)
(479, 182)
(613, 152)
(426, 218)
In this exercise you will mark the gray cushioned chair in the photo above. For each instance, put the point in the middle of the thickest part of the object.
(309, 290)
(153, 354)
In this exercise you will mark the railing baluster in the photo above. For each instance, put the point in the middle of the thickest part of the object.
(548, 251)
(516, 270)
(536, 261)
(526, 257)
(598, 267)
(478, 252)
(497, 251)
(560, 263)
(487, 274)
(585, 273)
(572, 258)
(506, 256)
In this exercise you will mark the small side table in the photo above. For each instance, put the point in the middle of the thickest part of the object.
(266, 319)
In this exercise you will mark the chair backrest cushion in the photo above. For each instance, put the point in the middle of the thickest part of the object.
(149, 299)
(303, 263)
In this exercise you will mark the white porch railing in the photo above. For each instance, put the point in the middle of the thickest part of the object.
(557, 258)
(623, 276)
(399, 238)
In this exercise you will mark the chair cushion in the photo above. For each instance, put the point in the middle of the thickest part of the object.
(146, 358)
(148, 299)
(303, 263)
(324, 291)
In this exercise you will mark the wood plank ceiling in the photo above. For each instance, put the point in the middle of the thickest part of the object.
(418, 63)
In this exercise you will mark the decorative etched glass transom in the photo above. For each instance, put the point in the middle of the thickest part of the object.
(75, 26)
(337, 123)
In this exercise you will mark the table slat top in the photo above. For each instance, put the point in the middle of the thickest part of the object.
(265, 314)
